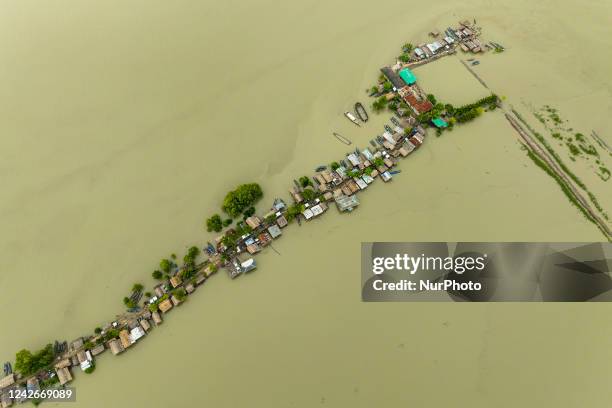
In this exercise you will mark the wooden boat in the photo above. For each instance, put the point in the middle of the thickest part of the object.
(352, 118)
(361, 112)
(394, 172)
(395, 121)
(388, 129)
(342, 138)
(320, 168)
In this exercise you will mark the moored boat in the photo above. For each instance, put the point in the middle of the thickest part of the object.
(342, 138)
(351, 117)
(361, 112)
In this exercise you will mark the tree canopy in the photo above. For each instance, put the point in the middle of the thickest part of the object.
(165, 265)
(214, 223)
(243, 197)
(27, 363)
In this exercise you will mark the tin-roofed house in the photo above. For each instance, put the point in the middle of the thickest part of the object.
(346, 203)
(156, 318)
(279, 204)
(64, 375)
(248, 265)
(165, 306)
(124, 336)
(99, 349)
(281, 221)
(115, 346)
(253, 221)
(7, 381)
(175, 281)
(274, 231)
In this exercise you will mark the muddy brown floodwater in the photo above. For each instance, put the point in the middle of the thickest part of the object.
(124, 123)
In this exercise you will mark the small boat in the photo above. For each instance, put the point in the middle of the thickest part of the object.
(388, 129)
(7, 368)
(394, 172)
(395, 121)
(342, 138)
(373, 143)
(352, 118)
(361, 112)
(321, 168)
(475, 62)
(210, 248)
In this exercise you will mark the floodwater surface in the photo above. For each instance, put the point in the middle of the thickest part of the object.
(125, 123)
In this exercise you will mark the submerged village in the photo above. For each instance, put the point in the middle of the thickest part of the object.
(337, 184)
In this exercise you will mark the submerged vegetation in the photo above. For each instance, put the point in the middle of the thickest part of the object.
(566, 190)
(580, 139)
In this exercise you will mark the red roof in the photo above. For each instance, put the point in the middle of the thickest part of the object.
(420, 106)
(415, 141)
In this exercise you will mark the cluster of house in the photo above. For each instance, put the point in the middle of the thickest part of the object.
(465, 35)
(340, 184)
(361, 167)
(81, 354)
(428, 50)
(405, 85)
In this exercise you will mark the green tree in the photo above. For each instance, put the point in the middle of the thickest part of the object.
(408, 47)
(305, 181)
(157, 274)
(137, 287)
(227, 222)
(180, 294)
(165, 265)
(335, 165)
(309, 194)
(294, 211)
(97, 330)
(243, 197)
(24, 361)
(431, 98)
(248, 212)
(229, 240)
(214, 223)
(28, 363)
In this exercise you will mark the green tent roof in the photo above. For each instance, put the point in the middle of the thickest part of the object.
(439, 122)
(407, 75)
